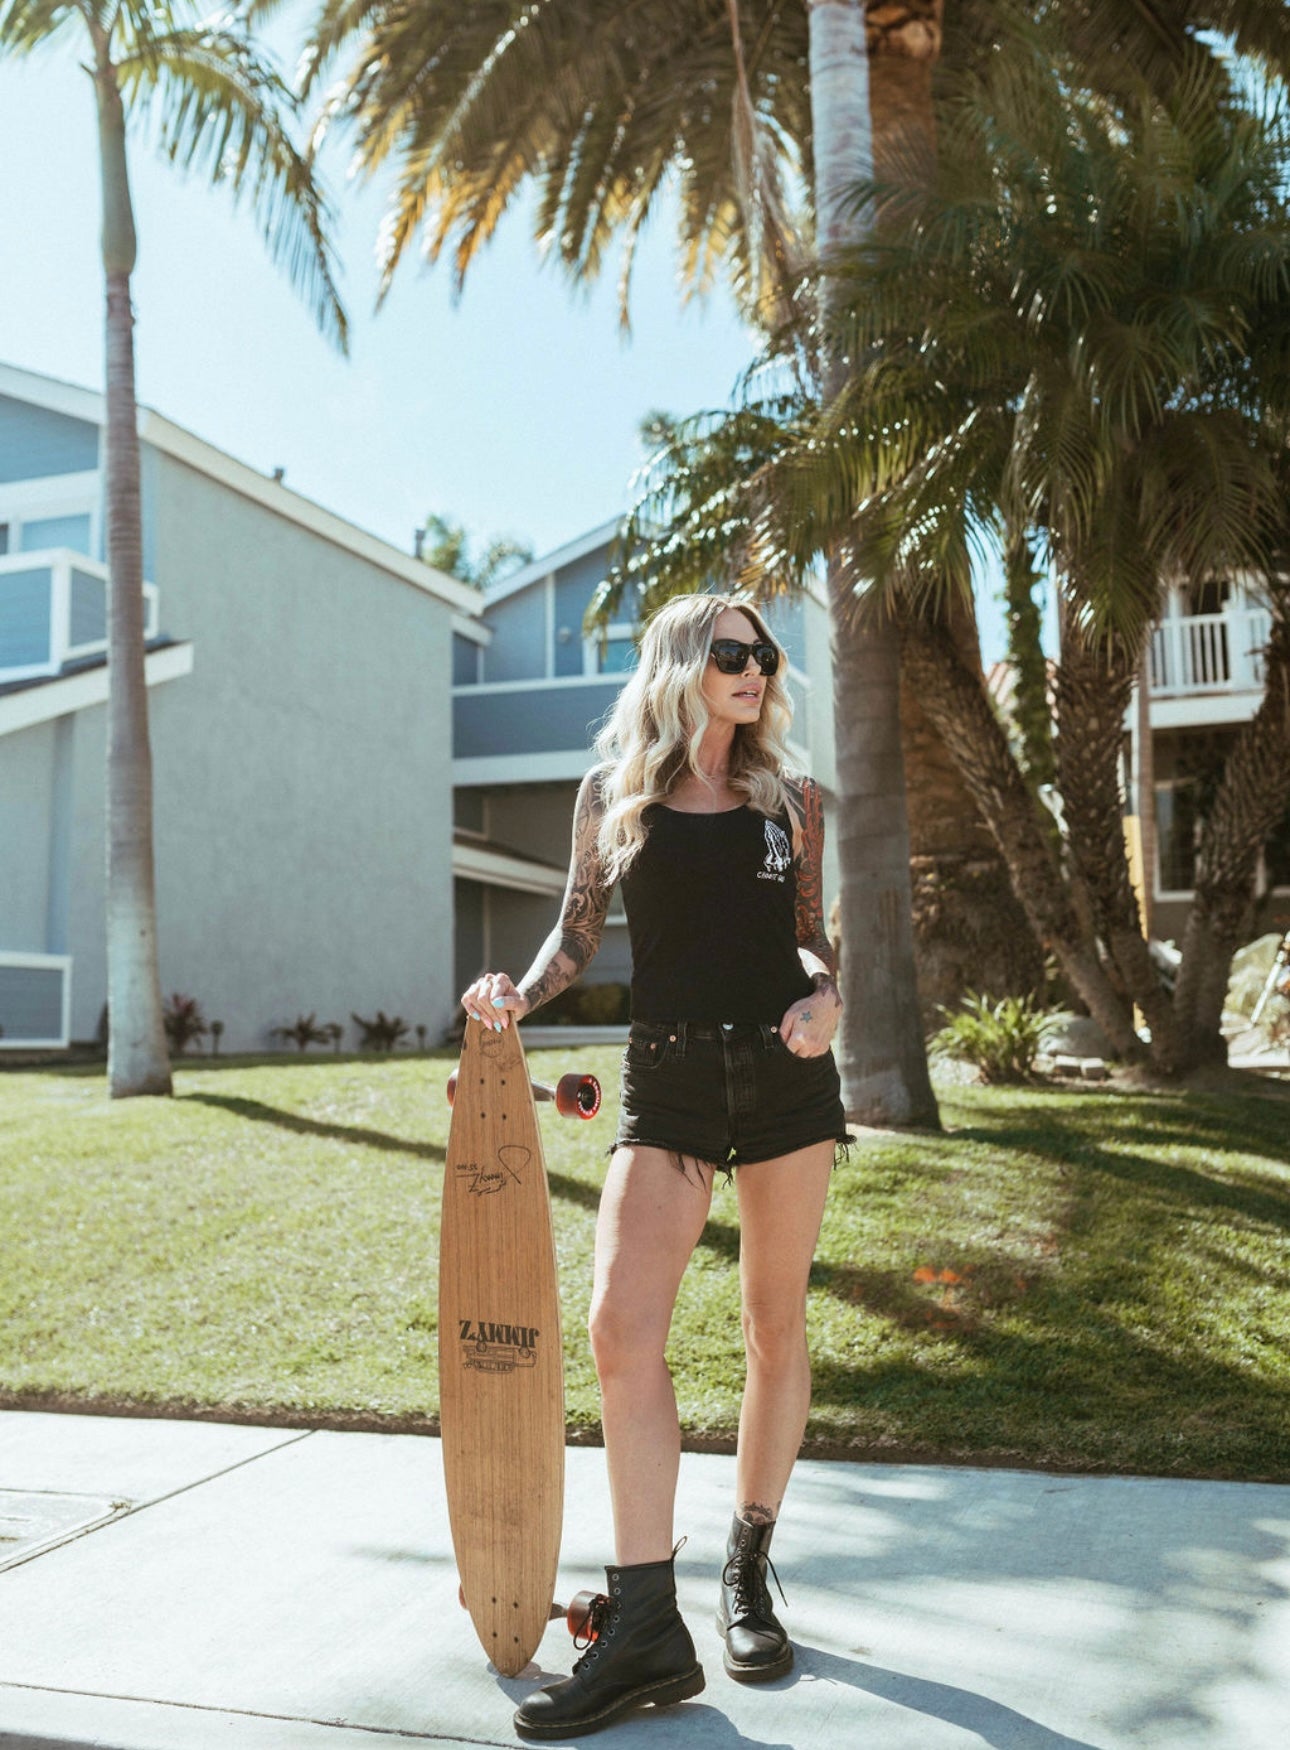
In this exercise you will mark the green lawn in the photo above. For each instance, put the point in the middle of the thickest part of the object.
(1094, 1278)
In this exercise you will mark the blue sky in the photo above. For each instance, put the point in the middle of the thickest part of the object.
(513, 410)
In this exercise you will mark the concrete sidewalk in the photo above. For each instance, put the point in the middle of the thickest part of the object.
(177, 1586)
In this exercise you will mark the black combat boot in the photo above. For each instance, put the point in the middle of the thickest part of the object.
(757, 1647)
(638, 1651)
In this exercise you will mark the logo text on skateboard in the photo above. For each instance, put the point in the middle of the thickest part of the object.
(495, 1348)
(483, 1181)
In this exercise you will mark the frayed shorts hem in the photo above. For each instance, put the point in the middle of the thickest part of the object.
(681, 1156)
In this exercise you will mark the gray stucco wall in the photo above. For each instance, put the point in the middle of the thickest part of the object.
(302, 781)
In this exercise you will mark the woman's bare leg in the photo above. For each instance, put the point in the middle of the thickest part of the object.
(650, 1219)
(781, 1206)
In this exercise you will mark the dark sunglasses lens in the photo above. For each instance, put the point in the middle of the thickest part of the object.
(731, 657)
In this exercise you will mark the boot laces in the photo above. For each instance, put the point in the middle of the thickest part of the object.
(745, 1575)
(587, 1638)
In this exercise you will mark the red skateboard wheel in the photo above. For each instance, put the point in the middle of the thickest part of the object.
(579, 1613)
(452, 1087)
(577, 1096)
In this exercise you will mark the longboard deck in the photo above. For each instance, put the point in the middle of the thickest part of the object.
(501, 1374)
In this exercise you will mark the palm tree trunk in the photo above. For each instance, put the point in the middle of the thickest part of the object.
(962, 714)
(1094, 687)
(970, 931)
(137, 1057)
(1252, 798)
(882, 1058)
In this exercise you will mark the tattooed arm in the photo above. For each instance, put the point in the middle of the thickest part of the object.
(809, 1025)
(570, 947)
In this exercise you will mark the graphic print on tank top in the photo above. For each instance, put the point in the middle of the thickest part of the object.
(779, 854)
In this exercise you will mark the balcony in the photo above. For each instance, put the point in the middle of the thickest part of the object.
(1210, 653)
(53, 612)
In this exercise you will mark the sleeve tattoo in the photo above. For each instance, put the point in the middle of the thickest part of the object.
(572, 944)
(812, 936)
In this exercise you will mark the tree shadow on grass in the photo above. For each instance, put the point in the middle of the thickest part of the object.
(259, 1113)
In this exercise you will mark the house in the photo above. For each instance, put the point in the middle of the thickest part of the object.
(530, 688)
(300, 732)
(1206, 681)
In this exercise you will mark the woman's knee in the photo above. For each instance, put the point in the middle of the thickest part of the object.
(623, 1341)
(774, 1335)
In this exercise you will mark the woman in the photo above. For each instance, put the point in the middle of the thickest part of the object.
(728, 1067)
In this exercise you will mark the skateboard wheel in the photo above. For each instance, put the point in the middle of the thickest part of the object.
(452, 1087)
(578, 1613)
(461, 1595)
(577, 1096)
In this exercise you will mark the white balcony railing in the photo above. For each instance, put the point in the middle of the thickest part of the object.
(53, 610)
(1208, 653)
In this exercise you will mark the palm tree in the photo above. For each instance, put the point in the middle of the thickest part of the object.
(600, 106)
(216, 105)
(1081, 333)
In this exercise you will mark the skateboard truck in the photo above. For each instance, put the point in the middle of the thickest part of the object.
(574, 1096)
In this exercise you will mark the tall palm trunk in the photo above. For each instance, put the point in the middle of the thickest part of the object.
(969, 930)
(881, 1053)
(962, 714)
(137, 1057)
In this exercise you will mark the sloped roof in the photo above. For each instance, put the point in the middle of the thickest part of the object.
(184, 446)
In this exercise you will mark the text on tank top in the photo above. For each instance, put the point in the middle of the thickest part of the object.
(711, 912)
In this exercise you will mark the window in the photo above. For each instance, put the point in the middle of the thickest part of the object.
(618, 655)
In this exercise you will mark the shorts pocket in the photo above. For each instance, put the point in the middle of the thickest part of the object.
(648, 1047)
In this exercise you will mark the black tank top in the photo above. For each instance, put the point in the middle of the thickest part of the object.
(710, 902)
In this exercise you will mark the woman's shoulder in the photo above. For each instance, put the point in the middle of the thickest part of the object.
(800, 792)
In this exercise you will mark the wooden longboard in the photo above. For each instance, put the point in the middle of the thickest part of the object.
(501, 1373)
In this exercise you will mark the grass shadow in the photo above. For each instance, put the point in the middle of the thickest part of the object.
(259, 1113)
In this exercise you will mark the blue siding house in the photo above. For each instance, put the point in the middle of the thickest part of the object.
(300, 731)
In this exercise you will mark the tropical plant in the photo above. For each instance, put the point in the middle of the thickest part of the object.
(1078, 331)
(215, 105)
(382, 1033)
(184, 1022)
(304, 1031)
(1001, 1039)
(447, 546)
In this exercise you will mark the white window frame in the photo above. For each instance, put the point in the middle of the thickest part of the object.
(43, 962)
(616, 632)
(60, 563)
(52, 495)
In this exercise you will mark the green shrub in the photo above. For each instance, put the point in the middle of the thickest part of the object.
(1001, 1039)
(183, 1021)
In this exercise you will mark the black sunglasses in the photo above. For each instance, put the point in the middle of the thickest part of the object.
(731, 657)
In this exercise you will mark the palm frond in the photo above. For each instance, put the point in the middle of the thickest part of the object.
(28, 24)
(217, 107)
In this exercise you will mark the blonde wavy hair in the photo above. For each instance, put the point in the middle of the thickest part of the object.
(653, 734)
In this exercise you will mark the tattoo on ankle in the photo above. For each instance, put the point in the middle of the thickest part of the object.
(754, 1513)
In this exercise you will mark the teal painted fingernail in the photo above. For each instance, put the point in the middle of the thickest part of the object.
(497, 1025)
(499, 1002)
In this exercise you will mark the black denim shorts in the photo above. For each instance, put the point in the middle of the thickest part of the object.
(725, 1095)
